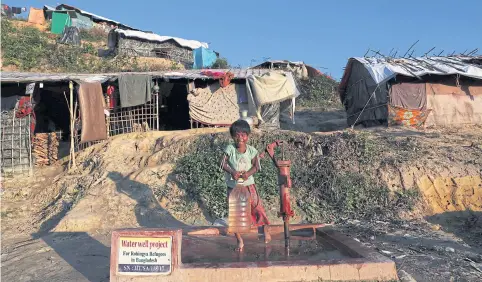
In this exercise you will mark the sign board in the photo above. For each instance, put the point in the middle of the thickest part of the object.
(144, 255)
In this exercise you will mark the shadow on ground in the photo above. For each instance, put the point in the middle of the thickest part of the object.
(149, 212)
(466, 225)
(83, 253)
(87, 255)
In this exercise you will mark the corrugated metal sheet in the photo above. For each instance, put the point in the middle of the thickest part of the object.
(384, 69)
(179, 74)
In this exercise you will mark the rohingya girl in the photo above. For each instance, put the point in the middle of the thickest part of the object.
(240, 162)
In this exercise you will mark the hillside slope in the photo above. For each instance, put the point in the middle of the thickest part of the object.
(31, 47)
(172, 178)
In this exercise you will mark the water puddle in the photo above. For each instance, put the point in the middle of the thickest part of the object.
(220, 249)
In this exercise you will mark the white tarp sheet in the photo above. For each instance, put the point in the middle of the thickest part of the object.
(382, 70)
(270, 88)
(193, 44)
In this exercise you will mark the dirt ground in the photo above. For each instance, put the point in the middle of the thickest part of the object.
(417, 249)
(56, 225)
(312, 120)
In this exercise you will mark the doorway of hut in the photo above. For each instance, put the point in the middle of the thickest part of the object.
(173, 106)
(52, 116)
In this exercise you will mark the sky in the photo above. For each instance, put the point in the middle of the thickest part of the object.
(323, 34)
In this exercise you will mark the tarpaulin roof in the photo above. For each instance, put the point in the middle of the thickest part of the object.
(192, 44)
(383, 69)
(311, 70)
(93, 16)
(24, 77)
(279, 62)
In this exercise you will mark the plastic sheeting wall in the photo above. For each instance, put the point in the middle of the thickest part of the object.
(80, 20)
(452, 105)
(361, 90)
(59, 22)
(203, 58)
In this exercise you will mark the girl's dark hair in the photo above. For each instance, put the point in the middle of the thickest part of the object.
(239, 126)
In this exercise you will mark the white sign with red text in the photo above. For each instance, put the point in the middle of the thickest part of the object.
(144, 256)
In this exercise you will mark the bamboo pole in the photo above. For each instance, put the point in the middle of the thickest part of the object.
(30, 134)
(20, 162)
(12, 136)
(72, 126)
(157, 111)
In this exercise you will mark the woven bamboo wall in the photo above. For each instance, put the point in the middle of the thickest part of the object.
(15, 144)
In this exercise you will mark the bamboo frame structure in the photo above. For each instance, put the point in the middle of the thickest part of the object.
(140, 118)
(16, 143)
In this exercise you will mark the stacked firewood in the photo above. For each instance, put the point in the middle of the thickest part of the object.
(53, 147)
(45, 148)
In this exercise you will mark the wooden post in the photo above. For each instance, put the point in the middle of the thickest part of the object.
(72, 126)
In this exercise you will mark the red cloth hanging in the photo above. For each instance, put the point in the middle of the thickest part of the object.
(110, 93)
(25, 108)
(224, 77)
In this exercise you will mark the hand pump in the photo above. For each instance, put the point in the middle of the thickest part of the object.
(284, 182)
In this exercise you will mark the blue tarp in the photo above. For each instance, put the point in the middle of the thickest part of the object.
(203, 58)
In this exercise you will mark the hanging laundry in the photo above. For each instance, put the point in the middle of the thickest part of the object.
(226, 79)
(24, 109)
(91, 102)
(111, 99)
(135, 89)
(17, 10)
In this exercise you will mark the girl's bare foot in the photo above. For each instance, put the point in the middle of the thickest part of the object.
(267, 236)
(240, 246)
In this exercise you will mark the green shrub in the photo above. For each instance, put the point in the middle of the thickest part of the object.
(331, 177)
(25, 47)
(319, 92)
(221, 63)
(93, 35)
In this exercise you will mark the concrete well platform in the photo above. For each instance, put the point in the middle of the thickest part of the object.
(316, 253)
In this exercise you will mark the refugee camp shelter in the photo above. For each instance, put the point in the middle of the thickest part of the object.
(430, 91)
(300, 69)
(143, 44)
(46, 116)
(72, 16)
(204, 58)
